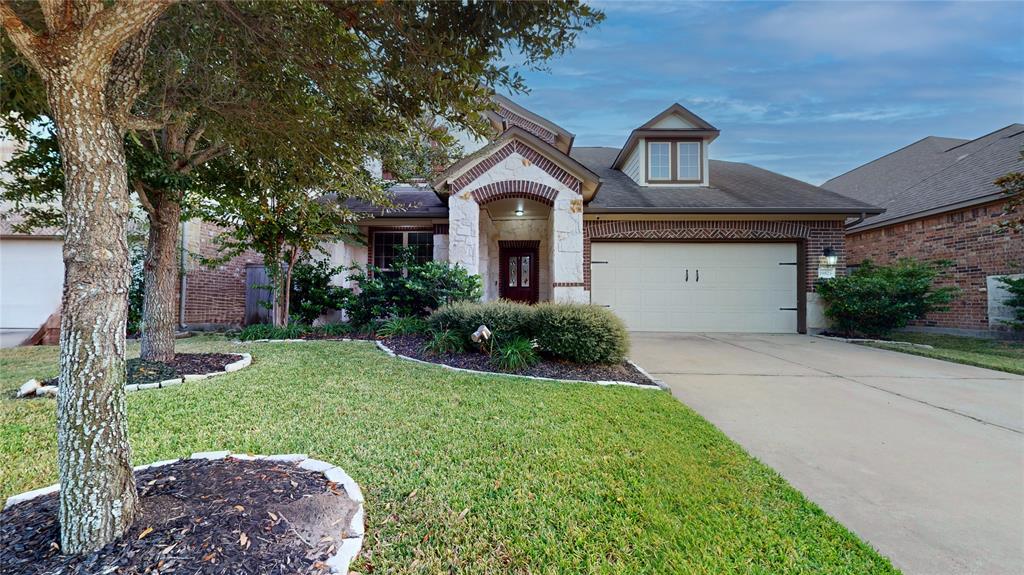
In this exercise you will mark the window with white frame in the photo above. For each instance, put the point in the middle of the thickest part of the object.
(688, 160)
(674, 162)
(659, 161)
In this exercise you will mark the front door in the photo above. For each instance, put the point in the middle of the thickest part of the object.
(519, 274)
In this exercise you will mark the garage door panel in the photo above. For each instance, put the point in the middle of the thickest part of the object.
(738, 287)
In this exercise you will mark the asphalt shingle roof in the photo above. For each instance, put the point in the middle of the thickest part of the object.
(733, 187)
(410, 201)
(933, 173)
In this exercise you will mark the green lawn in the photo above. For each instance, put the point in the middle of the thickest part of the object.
(474, 474)
(993, 354)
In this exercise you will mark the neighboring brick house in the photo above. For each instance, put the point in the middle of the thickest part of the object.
(941, 204)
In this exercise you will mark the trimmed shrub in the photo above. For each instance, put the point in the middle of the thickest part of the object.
(313, 294)
(402, 326)
(515, 354)
(443, 342)
(874, 300)
(418, 290)
(506, 319)
(581, 333)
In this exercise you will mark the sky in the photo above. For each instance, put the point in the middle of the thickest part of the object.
(806, 89)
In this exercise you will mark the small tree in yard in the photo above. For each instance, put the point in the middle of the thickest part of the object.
(89, 56)
(296, 81)
(874, 300)
(359, 73)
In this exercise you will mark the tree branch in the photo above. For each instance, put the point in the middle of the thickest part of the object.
(24, 39)
(204, 156)
(104, 34)
(140, 191)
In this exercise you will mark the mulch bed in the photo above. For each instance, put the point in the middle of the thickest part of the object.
(412, 346)
(198, 517)
(141, 371)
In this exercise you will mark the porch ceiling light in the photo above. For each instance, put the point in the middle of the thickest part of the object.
(519, 211)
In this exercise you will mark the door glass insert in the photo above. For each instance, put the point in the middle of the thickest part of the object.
(513, 269)
(525, 281)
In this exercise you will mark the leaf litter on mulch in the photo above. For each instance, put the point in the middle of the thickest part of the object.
(142, 371)
(197, 517)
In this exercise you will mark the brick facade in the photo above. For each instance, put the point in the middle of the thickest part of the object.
(516, 147)
(968, 238)
(815, 236)
(214, 296)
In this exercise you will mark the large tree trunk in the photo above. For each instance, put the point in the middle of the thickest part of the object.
(98, 500)
(159, 313)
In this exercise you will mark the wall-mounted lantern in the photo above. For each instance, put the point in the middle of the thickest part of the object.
(827, 263)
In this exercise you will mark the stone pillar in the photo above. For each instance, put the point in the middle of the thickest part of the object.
(441, 247)
(567, 248)
(464, 232)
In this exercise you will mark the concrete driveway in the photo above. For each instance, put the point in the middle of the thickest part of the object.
(924, 459)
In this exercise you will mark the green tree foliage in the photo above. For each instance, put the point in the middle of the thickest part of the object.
(314, 86)
(1016, 300)
(874, 300)
(1012, 185)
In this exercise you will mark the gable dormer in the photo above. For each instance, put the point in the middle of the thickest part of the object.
(670, 149)
(509, 114)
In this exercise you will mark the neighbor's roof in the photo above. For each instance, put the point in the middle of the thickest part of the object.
(410, 201)
(933, 175)
(734, 188)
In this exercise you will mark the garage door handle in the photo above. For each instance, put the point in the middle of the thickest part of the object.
(687, 275)
(698, 275)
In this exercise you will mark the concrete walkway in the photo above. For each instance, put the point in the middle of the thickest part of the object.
(922, 458)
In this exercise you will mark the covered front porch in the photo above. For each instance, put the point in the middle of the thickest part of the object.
(515, 213)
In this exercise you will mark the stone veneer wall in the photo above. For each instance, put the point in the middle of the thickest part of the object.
(516, 170)
(968, 238)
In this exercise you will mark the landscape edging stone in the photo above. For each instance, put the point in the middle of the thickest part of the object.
(350, 546)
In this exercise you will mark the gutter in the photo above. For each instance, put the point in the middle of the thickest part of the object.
(692, 210)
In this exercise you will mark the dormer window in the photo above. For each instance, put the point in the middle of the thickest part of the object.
(688, 161)
(674, 162)
(659, 161)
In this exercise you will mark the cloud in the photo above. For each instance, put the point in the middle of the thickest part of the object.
(873, 29)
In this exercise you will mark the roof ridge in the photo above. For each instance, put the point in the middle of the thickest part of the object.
(985, 136)
(882, 157)
(969, 154)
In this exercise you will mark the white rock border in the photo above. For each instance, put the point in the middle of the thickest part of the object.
(658, 384)
(350, 546)
(51, 390)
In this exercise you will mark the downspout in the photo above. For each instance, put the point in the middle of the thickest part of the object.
(863, 215)
(183, 291)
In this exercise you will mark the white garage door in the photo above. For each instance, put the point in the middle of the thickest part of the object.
(31, 279)
(729, 287)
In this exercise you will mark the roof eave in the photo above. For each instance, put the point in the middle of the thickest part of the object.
(725, 210)
(870, 225)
